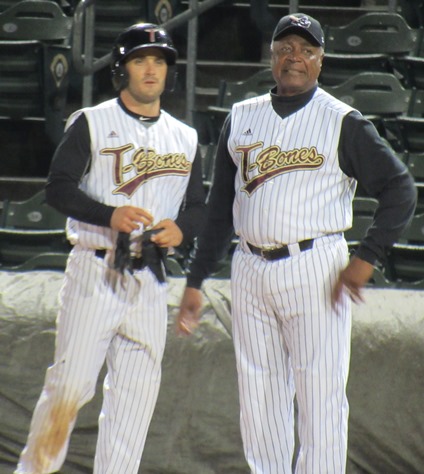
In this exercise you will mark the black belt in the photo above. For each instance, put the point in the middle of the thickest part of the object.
(279, 252)
(137, 263)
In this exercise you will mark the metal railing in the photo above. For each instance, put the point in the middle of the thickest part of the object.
(83, 44)
(83, 47)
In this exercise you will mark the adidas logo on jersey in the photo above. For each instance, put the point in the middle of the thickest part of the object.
(113, 134)
(247, 132)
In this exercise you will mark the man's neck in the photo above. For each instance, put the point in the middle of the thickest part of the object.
(147, 117)
(146, 109)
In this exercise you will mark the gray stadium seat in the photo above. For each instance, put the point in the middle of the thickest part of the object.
(374, 32)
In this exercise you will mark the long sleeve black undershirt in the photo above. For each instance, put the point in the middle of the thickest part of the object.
(72, 160)
(363, 155)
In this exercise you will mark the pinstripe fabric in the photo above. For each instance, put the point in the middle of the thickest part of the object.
(293, 188)
(123, 150)
(106, 316)
(289, 341)
(102, 316)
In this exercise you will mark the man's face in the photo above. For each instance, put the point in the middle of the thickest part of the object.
(147, 69)
(296, 64)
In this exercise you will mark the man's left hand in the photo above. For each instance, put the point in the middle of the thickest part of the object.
(170, 234)
(353, 278)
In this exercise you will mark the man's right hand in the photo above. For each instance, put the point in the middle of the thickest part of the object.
(128, 218)
(189, 314)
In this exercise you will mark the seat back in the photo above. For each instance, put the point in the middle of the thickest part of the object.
(373, 93)
(415, 163)
(410, 131)
(411, 69)
(35, 59)
(363, 216)
(35, 19)
(416, 103)
(373, 32)
(257, 84)
(414, 233)
(338, 68)
(405, 263)
(208, 153)
(33, 213)
(112, 18)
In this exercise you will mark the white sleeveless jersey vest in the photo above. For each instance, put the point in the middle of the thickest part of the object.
(289, 185)
(133, 164)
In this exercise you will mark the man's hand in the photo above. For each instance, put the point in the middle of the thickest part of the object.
(169, 236)
(353, 278)
(128, 218)
(190, 307)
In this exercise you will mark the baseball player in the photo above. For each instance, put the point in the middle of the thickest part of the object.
(128, 175)
(286, 170)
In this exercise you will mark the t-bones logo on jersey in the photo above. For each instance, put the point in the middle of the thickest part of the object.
(145, 164)
(272, 162)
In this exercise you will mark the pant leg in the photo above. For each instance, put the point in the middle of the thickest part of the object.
(132, 384)
(318, 338)
(89, 313)
(266, 388)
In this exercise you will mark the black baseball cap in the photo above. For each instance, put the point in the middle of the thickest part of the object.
(301, 24)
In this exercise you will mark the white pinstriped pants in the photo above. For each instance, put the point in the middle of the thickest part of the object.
(288, 340)
(102, 316)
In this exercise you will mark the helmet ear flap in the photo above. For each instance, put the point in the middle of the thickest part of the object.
(171, 78)
(119, 77)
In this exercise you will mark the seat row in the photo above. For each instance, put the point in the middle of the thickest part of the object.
(32, 237)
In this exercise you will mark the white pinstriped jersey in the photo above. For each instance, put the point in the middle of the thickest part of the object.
(289, 185)
(131, 164)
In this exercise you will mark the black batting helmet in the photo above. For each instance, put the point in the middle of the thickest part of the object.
(141, 35)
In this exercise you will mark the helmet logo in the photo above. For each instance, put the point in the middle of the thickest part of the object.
(151, 32)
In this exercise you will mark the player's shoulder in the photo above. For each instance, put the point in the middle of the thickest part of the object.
(177, 124)
(325, 99)
(254, 101)
(109, 104)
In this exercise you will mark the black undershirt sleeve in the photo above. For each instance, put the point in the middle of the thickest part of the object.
(214, 242)
(70, 162)
(364, 156)
(192, 215)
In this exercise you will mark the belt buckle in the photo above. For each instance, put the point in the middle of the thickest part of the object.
(266, 253)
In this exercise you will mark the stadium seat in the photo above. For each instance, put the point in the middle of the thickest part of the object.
(379, 279)
(338, 68)
(35, 65)
(415, 164)
(208, 160)
(410, 69)
(111, 18)
(231, 92)
(373, 93)
(416, 103)
(405, 264)
(41, 261)
(29, 229)
(409, 132)
(374, 32)
(414, 233)
(33, 213)
(35, 20)
(363, 215)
